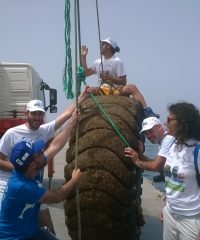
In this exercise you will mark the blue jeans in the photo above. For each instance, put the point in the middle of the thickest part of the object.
(42, 234)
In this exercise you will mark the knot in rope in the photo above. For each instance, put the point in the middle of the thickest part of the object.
(80, 78)
(81, 74)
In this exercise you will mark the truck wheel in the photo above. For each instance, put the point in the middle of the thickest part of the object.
(110, 187)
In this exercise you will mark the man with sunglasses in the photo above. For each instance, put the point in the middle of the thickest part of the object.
(155, 133)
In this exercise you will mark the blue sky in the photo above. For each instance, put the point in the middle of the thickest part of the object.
(159, 42)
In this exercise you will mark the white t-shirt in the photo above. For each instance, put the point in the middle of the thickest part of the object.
(114, 66)
(17, 134)
(182, 190)
(165, 145)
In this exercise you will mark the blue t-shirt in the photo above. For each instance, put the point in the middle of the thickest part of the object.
(20, 207)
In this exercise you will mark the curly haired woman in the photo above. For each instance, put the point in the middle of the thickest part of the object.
(181, 215)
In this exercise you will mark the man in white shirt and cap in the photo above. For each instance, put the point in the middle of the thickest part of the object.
(154, 131)
(112, 75)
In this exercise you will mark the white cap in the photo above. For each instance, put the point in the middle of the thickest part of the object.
(35, 105)
(110, 41)
(149, 122)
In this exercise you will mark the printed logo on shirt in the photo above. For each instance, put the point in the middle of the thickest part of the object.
(174, 179)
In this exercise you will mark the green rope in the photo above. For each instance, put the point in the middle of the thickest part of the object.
(116, 129)
(113, 125)
(67, 75)
(79, 30)
(80, 78)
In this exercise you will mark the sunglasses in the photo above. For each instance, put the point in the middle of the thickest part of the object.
(169, 119)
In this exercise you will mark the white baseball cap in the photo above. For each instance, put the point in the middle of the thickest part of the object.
(110, 41)
(149, 122)
(35, 105)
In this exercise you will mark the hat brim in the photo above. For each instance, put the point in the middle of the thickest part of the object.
(38, 146)
(105, 41)
(149, 127)
(36, 110)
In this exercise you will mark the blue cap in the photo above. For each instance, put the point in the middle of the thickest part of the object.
(23, 152)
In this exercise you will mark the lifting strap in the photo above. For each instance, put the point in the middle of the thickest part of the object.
(77, 87)
(99, 34)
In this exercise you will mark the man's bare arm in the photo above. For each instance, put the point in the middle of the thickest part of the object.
(60, 120)
(144, 162)
(5, 165)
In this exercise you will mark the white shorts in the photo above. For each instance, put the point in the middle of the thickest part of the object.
(178, 227)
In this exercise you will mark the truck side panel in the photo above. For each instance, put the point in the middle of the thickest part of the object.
(19, 84)
(16, 91)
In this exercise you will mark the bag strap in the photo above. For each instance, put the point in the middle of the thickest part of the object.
(196, 151)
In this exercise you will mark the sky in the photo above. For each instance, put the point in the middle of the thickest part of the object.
(159, 43)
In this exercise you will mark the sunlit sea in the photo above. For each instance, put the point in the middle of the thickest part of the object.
(151, 151)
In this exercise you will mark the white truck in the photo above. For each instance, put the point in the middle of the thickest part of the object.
(20, 83)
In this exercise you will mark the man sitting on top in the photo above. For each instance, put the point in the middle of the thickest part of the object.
(111, 75)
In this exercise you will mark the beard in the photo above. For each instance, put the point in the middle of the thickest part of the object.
(34, 124)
